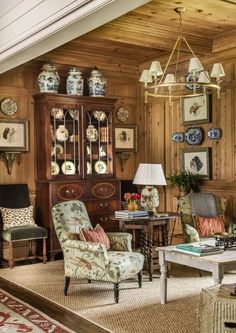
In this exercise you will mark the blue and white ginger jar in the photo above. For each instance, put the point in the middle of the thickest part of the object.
(75, 82)
(48, 79)
(96, 84)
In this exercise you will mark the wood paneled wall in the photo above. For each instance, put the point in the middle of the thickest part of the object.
(156, 121)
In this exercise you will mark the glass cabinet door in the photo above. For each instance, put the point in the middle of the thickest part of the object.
(66, 134)
(98, 143)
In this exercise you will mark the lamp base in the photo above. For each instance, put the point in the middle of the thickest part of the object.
(150, 198)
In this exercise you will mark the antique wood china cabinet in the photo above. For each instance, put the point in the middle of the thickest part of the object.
(75, 158)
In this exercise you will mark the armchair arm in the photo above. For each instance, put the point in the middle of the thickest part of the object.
(190, 234)
(120, 241)
(85, 254)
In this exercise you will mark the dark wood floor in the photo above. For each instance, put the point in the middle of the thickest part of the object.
(66, 317)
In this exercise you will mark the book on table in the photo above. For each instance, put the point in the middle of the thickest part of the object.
(199, 249)
(128, 213)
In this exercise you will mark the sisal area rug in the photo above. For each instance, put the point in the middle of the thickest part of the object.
(139, 310)
(17, 316)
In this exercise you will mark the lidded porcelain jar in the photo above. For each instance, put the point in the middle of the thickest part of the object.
(48, 79)
(75, 82)
(62, 133)
(91, 133)
(96, 83)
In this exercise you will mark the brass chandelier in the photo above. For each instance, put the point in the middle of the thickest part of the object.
(197, 82)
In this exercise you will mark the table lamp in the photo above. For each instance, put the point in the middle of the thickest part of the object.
(149, 175)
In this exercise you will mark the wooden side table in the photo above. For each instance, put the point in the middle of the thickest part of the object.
(153, 229)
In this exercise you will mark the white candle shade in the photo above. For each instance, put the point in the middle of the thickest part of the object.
(195, 65)
(217, 71)
(155, 68)
(170, 78)
(145, 76)
(204, 77)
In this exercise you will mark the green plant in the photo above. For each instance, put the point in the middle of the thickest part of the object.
(185, 179)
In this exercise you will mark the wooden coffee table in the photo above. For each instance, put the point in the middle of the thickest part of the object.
(217, 264)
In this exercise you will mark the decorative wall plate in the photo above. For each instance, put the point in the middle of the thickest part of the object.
(193, 136)
(57, 113)
(74, 114)
(100, 167)
(8, 106)
(99, 115)
(68, 168)
(214, 133)
(178, 137)
(89, 168)
(188, 78)
(54, 168)
(122, 114)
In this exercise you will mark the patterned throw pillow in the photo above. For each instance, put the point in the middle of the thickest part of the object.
(15, 217)
(97, 235)
(206, 226)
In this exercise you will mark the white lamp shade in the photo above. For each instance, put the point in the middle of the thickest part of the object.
(149, 174)
(145, 76)
(155, 68)
(170, 78)
(195, 65)
(204, 77)
(217, 70)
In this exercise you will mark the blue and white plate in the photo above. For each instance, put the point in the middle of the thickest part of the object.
(193, 136)
(214, 133)
(178, 137)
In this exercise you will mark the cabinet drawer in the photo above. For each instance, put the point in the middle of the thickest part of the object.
(104, 206)
(104, 190)
(68, 192)
(105, 222)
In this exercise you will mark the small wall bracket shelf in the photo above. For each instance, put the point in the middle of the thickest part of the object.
(123, 158)
(9, 157)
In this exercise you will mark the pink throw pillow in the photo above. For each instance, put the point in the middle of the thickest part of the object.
(206, 226)
(97, 235)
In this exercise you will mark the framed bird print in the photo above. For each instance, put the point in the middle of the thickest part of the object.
(196, 110)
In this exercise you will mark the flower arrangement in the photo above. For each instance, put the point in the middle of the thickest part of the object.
(131, 196)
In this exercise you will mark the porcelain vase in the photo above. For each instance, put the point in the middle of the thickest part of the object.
(48, 79)
(96, 84)
(74, 82)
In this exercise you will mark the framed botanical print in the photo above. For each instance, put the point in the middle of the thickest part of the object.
(197, 160)
(14, 135)
(196, 110)
(126, 138)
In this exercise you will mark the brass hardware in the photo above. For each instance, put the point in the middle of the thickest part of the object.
(9, 157)
(123, 157)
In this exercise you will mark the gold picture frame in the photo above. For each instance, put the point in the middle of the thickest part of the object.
(14, 135)
(197, 160)
(196, 110)
(126, 138)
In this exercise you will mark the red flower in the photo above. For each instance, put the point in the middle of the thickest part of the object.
(128, 196)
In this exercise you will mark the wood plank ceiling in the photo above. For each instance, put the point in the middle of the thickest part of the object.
(150, 31)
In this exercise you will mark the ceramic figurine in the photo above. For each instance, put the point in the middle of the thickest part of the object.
(96, 83)
(48, 79)
(75, 82)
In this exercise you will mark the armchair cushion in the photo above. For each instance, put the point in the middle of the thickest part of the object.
(24, 233)
(206, 226)
(97, 235)
(13, 217)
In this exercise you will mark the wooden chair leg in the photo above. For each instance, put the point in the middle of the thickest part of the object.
(67, 282)
(30, 248)
(11, 259)
(116, 292)
(140, 275)
(44, 251)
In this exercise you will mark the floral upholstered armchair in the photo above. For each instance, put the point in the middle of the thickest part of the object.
(202, 214)
(108, 258)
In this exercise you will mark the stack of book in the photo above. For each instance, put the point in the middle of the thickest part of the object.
(198, 249)
(130, 214)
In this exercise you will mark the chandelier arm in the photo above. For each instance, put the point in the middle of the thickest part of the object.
(170, 57)
(185, 40)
